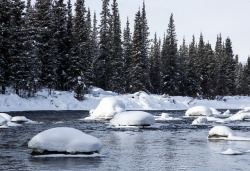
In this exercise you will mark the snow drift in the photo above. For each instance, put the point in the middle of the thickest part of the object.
(132, 118)
(64, 140)
(199, 111)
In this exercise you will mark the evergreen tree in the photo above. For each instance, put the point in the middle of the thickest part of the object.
(117, 81)
(44, 44)
(95, 51)
(5, 44)
(155, 73)
(127, 49)
(169, 60)
(102, 63)
(230, 67)
(138, 73)
(192, 76)
(18, 71)
(30, 51)
(59, 33)
(183, 57)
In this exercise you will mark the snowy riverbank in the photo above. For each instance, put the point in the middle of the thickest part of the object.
(138, 101)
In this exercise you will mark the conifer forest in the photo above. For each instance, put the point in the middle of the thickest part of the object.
(48, 45)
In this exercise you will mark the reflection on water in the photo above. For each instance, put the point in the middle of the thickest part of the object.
(170, 145)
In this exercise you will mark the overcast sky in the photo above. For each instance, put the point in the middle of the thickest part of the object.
(231, 18)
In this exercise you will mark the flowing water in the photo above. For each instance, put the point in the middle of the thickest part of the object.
(169, 145)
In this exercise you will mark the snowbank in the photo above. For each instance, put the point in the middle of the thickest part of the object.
(6, 116)
(199, 111)
(20, 119)
(200, 121)
(220, 132)
(132, 118)
(107, 108)
(165, 117)
(239, 116)
(62, 100)
(231, 152)
(214, 111)
(3, 121)
(64, 140)
(225, 133)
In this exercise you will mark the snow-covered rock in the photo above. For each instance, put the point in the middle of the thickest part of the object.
(64, 140)
(20, 119)
(6, 116)
(165, 117)
(200, 121)
(133, 118)
(220, 132)
(231, 152)
(239, 116)
(214, 111)
(3, 121)
(107, 108)
(199, 111)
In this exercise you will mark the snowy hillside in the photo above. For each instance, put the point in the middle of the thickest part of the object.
(138, 101)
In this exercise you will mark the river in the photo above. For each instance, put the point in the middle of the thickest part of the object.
(169, 145)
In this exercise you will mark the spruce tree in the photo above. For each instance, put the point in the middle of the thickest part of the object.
(127, 49)
(192, 87)
(5, 44)
(137, 73)
(171, 84)
(102, 63)
(155, 66)
(117, 81)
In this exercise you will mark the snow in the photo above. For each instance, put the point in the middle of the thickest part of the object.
(239, 116)
(220, 132)
(62, 100)
(225, 133)
(132, 118)
(18, 119)
(69, 156)
(214, 111)
(65, 140)
(231, 152)
(200, 121)
(165, 117)
(107, 108)
(199, 111)
(6, 116)
(3, 121)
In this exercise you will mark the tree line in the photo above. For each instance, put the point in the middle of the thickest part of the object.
(43, 45)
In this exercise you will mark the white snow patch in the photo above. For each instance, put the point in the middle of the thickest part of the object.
(3, 121)
(64, 139)
(199, 111)
(69, 156)
(107, 108)
(225, 133)
(239, 116)
(220, 132)
(200, 121)
(214, 111)
(165, 117)
(19, 119)
(132, 118)
(6, 116)
(231, 152)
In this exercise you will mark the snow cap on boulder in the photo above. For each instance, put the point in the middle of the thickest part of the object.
(3, 121)
(6, 116)
(107, 108)
(220, 132)
(64, 140)
(133, 118)
(199, 111)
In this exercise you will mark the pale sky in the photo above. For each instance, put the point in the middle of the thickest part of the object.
(211, 17)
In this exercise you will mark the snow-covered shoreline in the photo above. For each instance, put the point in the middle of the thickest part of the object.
(138, 101)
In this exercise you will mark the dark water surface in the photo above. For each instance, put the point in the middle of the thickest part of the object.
(169, 145)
